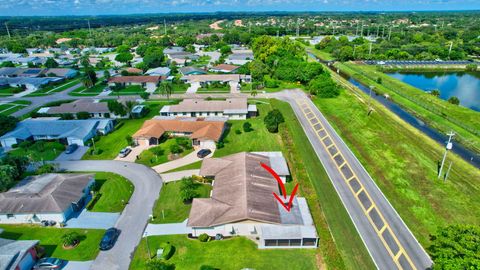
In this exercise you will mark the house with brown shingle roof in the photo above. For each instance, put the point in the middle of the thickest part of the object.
(224, 68)
(242, 203)
(45, 197)
(203, 133)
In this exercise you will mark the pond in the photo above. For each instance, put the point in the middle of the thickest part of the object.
(463, 85)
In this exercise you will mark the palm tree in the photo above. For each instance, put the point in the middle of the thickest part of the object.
(435, 93)
(166, 88)
(254, 93)
(87, 81)
(129, 104)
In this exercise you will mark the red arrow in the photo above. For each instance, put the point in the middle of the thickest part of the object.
(282, 187)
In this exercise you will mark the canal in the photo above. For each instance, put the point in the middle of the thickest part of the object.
(463, 85)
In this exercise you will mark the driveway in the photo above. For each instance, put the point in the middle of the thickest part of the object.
(93, 220)
(134, 217)
(136, 151)
(167, 229)
(186, 160)
(77, 155)
(234, 87)
(193, 88)
(74, 265)
(175, 176)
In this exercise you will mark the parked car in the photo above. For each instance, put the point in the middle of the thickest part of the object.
(203, 153)
(124, 152)
(50, 263)
(71, 148)
(109, 238)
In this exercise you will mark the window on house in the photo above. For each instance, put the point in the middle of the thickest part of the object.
(270, 243)
(295, 242)
(309, 241)
(283, 242)
(10, 215)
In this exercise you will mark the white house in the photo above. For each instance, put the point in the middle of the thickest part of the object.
(233, 108)
(45, 197)
(66, 131)
(242, 203)
(149, 83)
(94, 107)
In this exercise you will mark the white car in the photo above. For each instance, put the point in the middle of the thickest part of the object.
(124, 152)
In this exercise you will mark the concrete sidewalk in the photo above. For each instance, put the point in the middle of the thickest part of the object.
(186, 160)
(167, 229)
(93, 220)
(175, 176)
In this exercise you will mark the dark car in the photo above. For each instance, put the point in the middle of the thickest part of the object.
(71, 148)
(50, 263)
(109, 238)
(203, 153)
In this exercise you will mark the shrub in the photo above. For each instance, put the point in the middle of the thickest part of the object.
(187, 189)
(25, 144)
(204, 237)
(70, 239)
(83, 115)
(129, 139)
(237, 131)
(208, 267)
(272, 120)
(159, 151)
(247, 127)
(184, 142)
(159, 265)
(220, 145)
(454, 100)
(168, 251)
(176, 149)
(46, 168)
(145, 95)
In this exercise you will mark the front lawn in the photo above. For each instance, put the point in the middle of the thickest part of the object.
(161, 153)
(9, 108)
(108, 146)
(214, 87)
(51, 240)
(129, 90)
(234, 253)
(172, 205)
(113, 192)
(39, 150)
(54, 88)
(259, 139)
(8, 91)
(92, 91)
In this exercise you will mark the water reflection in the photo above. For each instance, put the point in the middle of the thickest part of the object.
(464, 85)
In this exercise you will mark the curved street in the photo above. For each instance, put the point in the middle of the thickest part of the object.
(134, 217)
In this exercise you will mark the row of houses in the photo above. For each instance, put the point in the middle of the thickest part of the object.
(12, 72)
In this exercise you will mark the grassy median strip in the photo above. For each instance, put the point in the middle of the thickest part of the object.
(403, 162)
(51, 240)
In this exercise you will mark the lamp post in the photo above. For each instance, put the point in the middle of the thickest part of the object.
(447, 147)
(93, 142)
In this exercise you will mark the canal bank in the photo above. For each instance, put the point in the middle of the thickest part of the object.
(469, 155)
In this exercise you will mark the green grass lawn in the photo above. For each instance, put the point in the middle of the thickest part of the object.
(39, 151)
(234, 253)
(192, 166)
(214, 88)
(403, 162)
(112, 143)
(113, 194)
(14, 106)
(51, 89)
(434, 111)
(173, 207)
(257, 140)
(150, 159)
(93, 91)
(9, 91)
(320, 54)
(129, 90)
(51, 240)
(177, 88)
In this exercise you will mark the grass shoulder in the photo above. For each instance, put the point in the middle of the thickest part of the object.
(112, 193)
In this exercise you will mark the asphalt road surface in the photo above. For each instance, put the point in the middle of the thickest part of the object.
(134, 217)
(387, 238)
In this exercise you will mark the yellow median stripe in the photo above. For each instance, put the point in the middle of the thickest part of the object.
(345, 165)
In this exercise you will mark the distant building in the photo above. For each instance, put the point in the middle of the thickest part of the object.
(37, 72)
(159, 71)
(65, 131)
(192, 71)
(95, 108)
(203, 133)
(32, 84)
(139, 111)
(240, 57)
(149, 83)
(242, 204)
(224, 68)
(234, 108)
(17, 254)
(45, 197)
(222, 78)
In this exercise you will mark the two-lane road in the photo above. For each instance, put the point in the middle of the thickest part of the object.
(134, 217)
(387, 238)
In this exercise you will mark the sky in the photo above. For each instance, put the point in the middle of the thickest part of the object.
(100, 7)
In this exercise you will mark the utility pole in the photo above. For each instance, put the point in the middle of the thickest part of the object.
(93, 141)
(378, 29)
(370, 100)
(356, 30)
(361, 31)
(383, 31)
(448, 172)
(8, 31)
(298, 28)
(370, 50)
(354, 49)
(89, 28)
(389, 33)
(164, 26)
(448, 147)
(450, 49)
